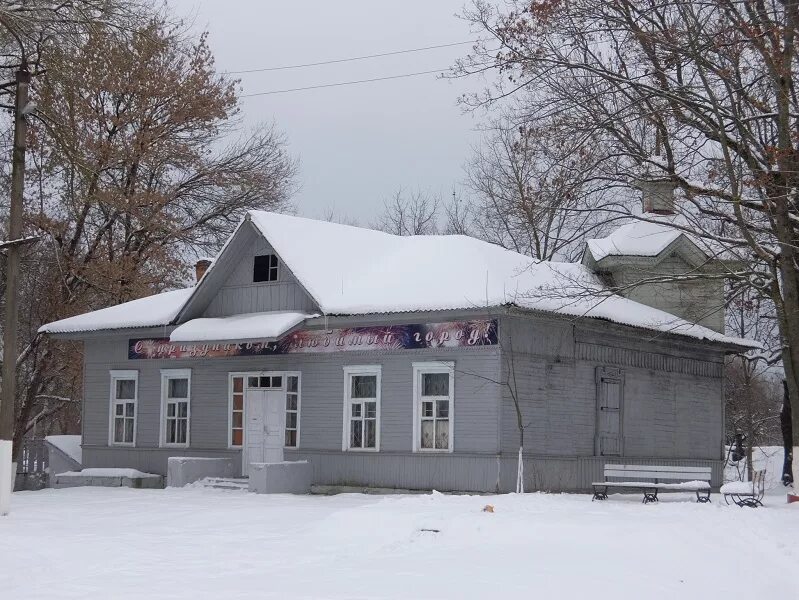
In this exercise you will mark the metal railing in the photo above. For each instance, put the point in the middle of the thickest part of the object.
(33, 457)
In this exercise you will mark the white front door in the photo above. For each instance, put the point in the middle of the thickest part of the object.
(265, 414)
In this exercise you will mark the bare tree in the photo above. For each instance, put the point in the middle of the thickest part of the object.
(459, 217)
(137, 164)
(701, 94)
(753, 400)
(414, 213)
(532, 193)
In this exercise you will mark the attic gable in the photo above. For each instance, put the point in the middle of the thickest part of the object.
(229, 287)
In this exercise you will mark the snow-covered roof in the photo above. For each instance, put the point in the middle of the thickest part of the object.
(639, 238)
(160, 309)
(354, 271)
(251, 326)
(68, 444)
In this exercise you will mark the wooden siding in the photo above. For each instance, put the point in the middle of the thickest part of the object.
(672, 408)
(635, 357)
(698, 301)
(673, 405)
(476, 421)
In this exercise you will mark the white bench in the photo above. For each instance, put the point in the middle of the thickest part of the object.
(651, 479)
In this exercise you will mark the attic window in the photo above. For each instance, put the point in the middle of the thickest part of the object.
(264, 268)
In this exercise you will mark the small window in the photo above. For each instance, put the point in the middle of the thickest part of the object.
(266, 382)
(175, 409)
(124, 392)
(433, 406)
(264, 268)
(361, 408)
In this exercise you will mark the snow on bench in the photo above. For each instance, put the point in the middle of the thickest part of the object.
(746, 493)
(651, 479)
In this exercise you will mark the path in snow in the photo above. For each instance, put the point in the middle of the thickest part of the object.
(200, 543)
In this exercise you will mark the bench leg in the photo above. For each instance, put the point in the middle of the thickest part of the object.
(650, 496)
(703, 497)
(600, 493)
(751, 502)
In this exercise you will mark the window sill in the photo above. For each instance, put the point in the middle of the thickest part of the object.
(433, 451)
(356, 450)
(122, 445)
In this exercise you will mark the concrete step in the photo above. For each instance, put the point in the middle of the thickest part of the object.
(226, 483)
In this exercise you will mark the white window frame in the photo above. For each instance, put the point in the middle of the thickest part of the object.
(245, 374)
(166, 375)
(419, 369)
(298, 375)
(116, 375)
(279, 269)
(349, 372)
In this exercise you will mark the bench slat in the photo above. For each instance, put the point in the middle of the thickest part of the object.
(657, 475)
(666, 468)
(698, 486)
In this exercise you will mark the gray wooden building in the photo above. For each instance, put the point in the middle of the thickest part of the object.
(398, 362)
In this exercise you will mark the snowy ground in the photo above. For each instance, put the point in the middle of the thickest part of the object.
(200, 543)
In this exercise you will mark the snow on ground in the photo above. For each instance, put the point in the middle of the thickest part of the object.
(205, 543)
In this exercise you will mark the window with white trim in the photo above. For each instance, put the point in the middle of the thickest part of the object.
(124, 393)
(292, 411)
(236, 428)
(361, 407)
(175, 406)
(433, 389)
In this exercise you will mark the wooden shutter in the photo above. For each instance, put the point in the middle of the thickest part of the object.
(610, 403)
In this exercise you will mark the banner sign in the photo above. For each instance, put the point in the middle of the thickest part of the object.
(451, 334)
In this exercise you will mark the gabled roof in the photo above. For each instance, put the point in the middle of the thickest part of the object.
(637, 238)
(354, 271)
(645, 238)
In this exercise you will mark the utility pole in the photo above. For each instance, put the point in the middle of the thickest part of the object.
(10, 352)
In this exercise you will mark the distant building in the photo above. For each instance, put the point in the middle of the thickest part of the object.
(388, 361)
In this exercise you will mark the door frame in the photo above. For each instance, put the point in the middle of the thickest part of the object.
(264, 392)
(264, 373)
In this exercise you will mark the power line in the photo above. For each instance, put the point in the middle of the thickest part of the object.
(328, 85)
(342, 60)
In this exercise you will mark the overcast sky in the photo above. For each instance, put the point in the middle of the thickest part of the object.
(359, 143)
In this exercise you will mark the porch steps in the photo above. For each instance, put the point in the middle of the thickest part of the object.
(226, 483)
